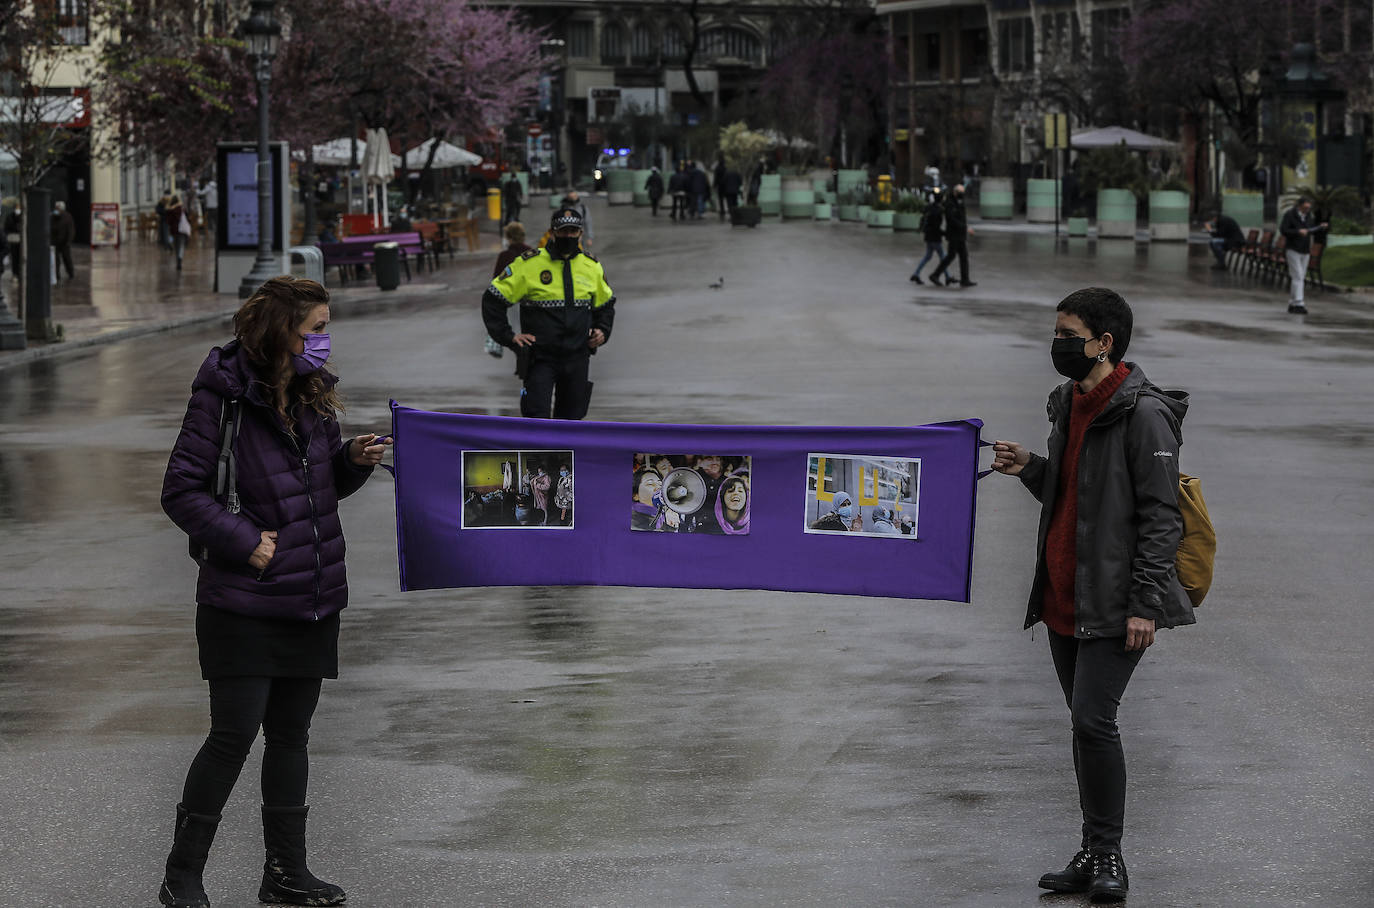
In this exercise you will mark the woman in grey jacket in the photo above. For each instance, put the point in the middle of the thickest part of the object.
(1105, 577)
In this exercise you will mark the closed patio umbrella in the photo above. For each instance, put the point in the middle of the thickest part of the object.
(378, 171)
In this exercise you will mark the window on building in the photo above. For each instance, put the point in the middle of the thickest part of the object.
(612, 43)
(72, 18)
(674, 47)
(731, 43)
(1107, 26)
(778, 41)
(1061, 40)
(1360, 35)
(973, 51)
(643, 47)
(928, 56)
(1015, 45)
(579, 39)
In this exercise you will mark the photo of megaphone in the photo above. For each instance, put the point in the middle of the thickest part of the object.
(684, 491)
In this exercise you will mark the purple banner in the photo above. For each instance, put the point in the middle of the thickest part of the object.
(869, 511)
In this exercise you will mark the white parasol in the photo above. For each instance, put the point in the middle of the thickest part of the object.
(445, 157)
(378, 171)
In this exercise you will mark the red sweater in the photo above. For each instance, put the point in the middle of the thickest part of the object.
(1061, 542)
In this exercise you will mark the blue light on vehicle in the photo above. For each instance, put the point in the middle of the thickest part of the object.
(608, 151)
(624, 152)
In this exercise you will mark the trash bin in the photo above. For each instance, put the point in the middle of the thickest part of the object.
(386, 263)
(494, 204)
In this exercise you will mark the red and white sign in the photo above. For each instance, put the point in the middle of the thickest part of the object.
(104, 224)
(536, 130)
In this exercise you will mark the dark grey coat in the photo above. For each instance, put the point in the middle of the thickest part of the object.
(1129, 524)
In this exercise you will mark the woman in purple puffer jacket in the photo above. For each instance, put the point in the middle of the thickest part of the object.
(272, 578)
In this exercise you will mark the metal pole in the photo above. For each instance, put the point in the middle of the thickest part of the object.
(264, 266)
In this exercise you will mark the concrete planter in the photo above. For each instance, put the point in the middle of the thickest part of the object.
(850, 181)
(770, 194)
(881, 219)
(849, 212)
(864, 212)
(798, 197)
(1040, 201)
(1115, 213)
(641, 195)
(906, 221)
(1333, 240)
(1078, 226)
(832, 197)
(1169, 215)
(995, 199)
(820, 211)
(1246, 207)
(620, 186)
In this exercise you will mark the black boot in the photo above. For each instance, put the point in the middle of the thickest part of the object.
(1109, 878)
(1077, 877)
(181, 885)
(285, 878)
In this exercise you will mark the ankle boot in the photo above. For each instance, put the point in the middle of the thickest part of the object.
(1077, 877)
(1109, 878)
(285, 878)
(181, 884)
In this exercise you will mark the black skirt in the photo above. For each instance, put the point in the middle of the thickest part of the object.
(233, 645)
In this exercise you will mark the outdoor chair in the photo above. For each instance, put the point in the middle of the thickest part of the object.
(1239, 254)
(1255, 255)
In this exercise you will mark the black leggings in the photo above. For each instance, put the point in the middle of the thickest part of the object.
(1094, 675)
(282, 707)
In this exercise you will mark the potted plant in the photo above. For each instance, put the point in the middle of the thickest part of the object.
(1114, 174)
(820, 208)
(1348, 232)
(865, 204)
(881, 213)
(849, 204)
(1169, 208)
(1078, 221)
(908, 210)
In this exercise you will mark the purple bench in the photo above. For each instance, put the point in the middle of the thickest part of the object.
(354, 251)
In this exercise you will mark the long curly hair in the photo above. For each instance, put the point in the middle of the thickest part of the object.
(267, 326)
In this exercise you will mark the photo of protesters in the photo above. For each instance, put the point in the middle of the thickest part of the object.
(861, 495)
(517, 489)
(682, 493)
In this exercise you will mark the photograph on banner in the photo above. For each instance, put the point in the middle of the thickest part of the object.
(691, 493)
(862, 495)
(518, 490)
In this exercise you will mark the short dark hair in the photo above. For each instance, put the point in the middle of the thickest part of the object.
(1104, 312)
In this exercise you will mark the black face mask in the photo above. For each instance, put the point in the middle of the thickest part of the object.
(1069, 359)
(565, 246)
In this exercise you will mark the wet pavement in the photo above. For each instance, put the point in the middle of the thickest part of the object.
(645, 747)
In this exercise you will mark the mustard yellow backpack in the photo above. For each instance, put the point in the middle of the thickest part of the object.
(1197, 549)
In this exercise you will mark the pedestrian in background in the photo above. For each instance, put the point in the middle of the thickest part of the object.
(1226, 236)
(272, 580)
(729, 195)
(956, 232)
(700, 190)
(164, 235)
(677, 187)
(174, 219)
(1105, 576)
(719, 182)
(1297, 228)
(63, 231)
(514, 195)
(932, 230)
(209, 203)
(654, 187)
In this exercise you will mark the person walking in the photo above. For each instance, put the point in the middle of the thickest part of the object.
(272, 580)
(1297, 227)
(63, 231)
(164, 236)
(514, 196)
(566, 313)
(1105, 577)
(209, 203)
(718, 174)
(932, 230)
(1226, 236)
(957, 231)
(654, 187)
(677, 188)
(700, 190)
(173, 217)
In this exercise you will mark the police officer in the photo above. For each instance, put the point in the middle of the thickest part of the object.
(566, 312)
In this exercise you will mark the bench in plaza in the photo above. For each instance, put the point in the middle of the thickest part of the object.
(354, 251)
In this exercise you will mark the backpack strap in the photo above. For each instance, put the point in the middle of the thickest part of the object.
(226, 468)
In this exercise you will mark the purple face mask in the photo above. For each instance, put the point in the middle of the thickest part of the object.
(313, 358)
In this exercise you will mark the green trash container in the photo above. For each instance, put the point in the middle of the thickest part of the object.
(386, 264)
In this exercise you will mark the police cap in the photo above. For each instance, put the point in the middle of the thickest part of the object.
(566, 217)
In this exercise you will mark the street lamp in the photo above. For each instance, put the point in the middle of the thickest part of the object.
(262, 33)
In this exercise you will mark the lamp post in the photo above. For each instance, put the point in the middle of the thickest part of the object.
(262, 33)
